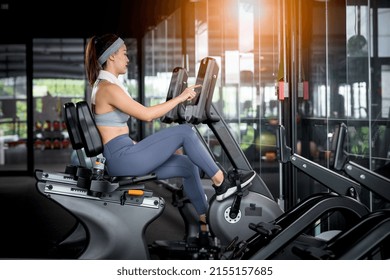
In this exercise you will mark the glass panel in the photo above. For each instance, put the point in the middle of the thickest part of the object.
(323, 32)
(260, 59)
(13, 107)
(58, 78)
(347, 83)
(163, 52)
(236, 33)
(383, 32)
(243, 36)
(366, 94)
(385, 87)
(333, 58)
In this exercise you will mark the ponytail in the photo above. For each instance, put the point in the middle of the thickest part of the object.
(95, 48)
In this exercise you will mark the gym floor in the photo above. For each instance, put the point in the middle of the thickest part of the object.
(32, 224)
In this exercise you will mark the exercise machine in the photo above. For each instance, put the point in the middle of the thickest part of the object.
(375, 182)
(370, 237)
(228, 219)
(278, 239)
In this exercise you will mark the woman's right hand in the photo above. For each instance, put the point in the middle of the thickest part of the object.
(189, 93)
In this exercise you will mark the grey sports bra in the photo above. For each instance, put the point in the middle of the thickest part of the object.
(113, 118)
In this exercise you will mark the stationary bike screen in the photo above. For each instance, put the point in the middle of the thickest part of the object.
(199, 81)
(178, 83)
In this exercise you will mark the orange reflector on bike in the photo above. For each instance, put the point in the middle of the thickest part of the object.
(135, 192)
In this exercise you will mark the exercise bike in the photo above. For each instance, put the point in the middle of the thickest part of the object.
(85, 194)
(228, 219)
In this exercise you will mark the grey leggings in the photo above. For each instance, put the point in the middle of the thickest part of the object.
(156, 154)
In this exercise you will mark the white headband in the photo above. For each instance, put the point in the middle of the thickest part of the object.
(110, 50)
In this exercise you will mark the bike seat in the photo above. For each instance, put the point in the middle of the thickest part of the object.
(84, 134)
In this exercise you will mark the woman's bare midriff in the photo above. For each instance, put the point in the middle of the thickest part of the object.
(110, 132)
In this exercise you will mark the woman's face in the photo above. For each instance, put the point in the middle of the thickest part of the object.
(121, 60)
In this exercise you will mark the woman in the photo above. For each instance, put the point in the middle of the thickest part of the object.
(106, 59)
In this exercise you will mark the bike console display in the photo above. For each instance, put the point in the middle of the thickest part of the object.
(198, 109)
(177, 85)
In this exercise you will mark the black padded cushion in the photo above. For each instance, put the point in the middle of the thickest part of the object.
(88, 131)
(70, 117)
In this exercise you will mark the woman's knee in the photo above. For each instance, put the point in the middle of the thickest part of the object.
(189, 132)
(186, 129)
